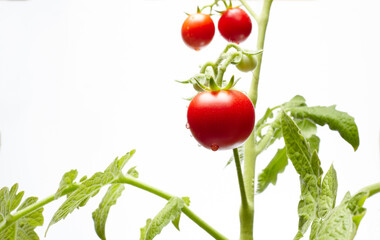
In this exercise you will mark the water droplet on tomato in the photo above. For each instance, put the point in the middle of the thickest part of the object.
(191, 135)
(214, 147)
(187, 125)
(199, 145)
(197, 49)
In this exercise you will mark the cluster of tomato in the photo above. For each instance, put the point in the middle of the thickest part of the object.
(221, 119)
(198, 29)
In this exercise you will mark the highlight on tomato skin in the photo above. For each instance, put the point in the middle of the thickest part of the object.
(235, 25)
(221, 120)
(198, 30)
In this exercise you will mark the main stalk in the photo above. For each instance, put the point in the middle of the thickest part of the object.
(250, 153)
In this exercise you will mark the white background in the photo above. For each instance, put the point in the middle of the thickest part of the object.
(84, 81)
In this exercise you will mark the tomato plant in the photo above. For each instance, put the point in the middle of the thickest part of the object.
(198, 30)
(235, 25)
(247, 63)
(221, 119)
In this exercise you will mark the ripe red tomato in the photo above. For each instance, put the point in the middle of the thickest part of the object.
(222, 119)
(235, 25)
(198, 30)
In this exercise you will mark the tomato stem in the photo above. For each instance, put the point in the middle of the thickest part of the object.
(371, 189)
(244, 201)
(126, 179)
(250, 146)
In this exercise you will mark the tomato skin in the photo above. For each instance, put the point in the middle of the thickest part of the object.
(235, 25)
(198, 30)
(247, 63)
(222, 119)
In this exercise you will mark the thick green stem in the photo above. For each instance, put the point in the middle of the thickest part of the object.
(250, 153)
(136, 183)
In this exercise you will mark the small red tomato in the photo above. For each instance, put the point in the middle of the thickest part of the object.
(198, 30)
(221, 119)
(235, 25)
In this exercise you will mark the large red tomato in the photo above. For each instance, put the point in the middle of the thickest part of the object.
(235, 25)
(198, 30)
(221, 119)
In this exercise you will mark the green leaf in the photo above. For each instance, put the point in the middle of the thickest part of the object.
(297, 148)
(170, 212)
(144, 229)
(336, 120)
(307, 127)
(9, 200)
(101, 213)
(308, 167)
(328, 193)
(23, 228)
(89, 188)
(338, 224)
(175, 222)
(276, 165)
(314, 143)
(296, 101)
(66, 182)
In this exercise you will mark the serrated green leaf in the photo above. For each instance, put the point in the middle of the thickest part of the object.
(176, 222)
(328, 193)
(269, 174)
(170, 212)
(336, 120)
(101, 213)
(67, 181)
(9, 200)
(297, 149)
(308, 167)
(144, 229)
(89, 188)
(23, 228)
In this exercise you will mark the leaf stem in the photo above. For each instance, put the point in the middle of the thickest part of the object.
(126, 179)
(244, 201)
(372, 189)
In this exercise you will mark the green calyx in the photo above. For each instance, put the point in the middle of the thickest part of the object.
(213, 86)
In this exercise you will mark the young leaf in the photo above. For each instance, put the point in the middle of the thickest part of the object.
(328, 193)
(101, 213)
(336, 120)
(23, 228)
(133, 172)
(170, 212)
(66, 182)
(269, 175)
